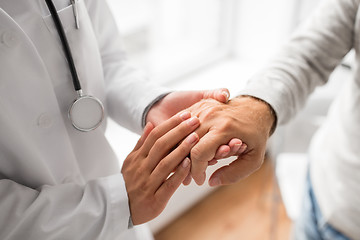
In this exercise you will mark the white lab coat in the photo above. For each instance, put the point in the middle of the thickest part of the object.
(57, 182)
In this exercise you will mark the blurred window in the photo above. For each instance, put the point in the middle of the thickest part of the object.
(169, 38)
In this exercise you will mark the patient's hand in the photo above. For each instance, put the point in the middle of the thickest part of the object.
(245, 118)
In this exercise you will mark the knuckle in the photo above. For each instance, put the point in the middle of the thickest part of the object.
(208, 112)
(227, 124)
(182, 130)
(189, 141)
(160, 144)
(206, 106)
(139, 171)
(143, 187)
(195, 154)
(125, 165)
(139, 188)
(183, 149)
(155, 134)
(165, 165)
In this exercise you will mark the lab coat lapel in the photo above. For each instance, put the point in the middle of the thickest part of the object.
(30, 113)
(23, 73)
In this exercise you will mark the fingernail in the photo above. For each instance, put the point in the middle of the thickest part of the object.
(215, 182)
(185, 163)
(242, 148)
(226, 94)
(192, 138)
(193, 121)
(224, 154)
(236, 148)
(185, 115)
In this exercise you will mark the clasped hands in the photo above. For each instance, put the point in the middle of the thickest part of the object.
(205, 126)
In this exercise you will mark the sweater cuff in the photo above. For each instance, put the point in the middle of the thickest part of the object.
(271, 109)
(271, 98)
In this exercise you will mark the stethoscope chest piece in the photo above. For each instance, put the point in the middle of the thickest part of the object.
(86, 113)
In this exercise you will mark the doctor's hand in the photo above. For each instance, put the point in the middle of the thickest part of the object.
(245, 118)
(178, 101)
(147, 170)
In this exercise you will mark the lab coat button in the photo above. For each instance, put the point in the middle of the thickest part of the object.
(45, 121)
(9, 39)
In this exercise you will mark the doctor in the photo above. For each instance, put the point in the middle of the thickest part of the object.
(59, 177)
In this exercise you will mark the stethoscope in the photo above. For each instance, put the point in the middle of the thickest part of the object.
(86, 112)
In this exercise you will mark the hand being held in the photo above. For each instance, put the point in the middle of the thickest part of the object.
(180, 100)
(245, 118)
(147, 168)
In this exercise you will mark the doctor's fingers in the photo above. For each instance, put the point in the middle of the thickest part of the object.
(169, 186)
(238, 169)
(168, 142)
(172, 161)
(162, 129)
(147, 129)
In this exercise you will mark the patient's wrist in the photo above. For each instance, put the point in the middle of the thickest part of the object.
(265, 112)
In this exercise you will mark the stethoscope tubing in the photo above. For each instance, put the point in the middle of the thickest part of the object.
(94, 113)
(65, 44)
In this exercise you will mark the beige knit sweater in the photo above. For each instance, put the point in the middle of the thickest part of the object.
(303, 64)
